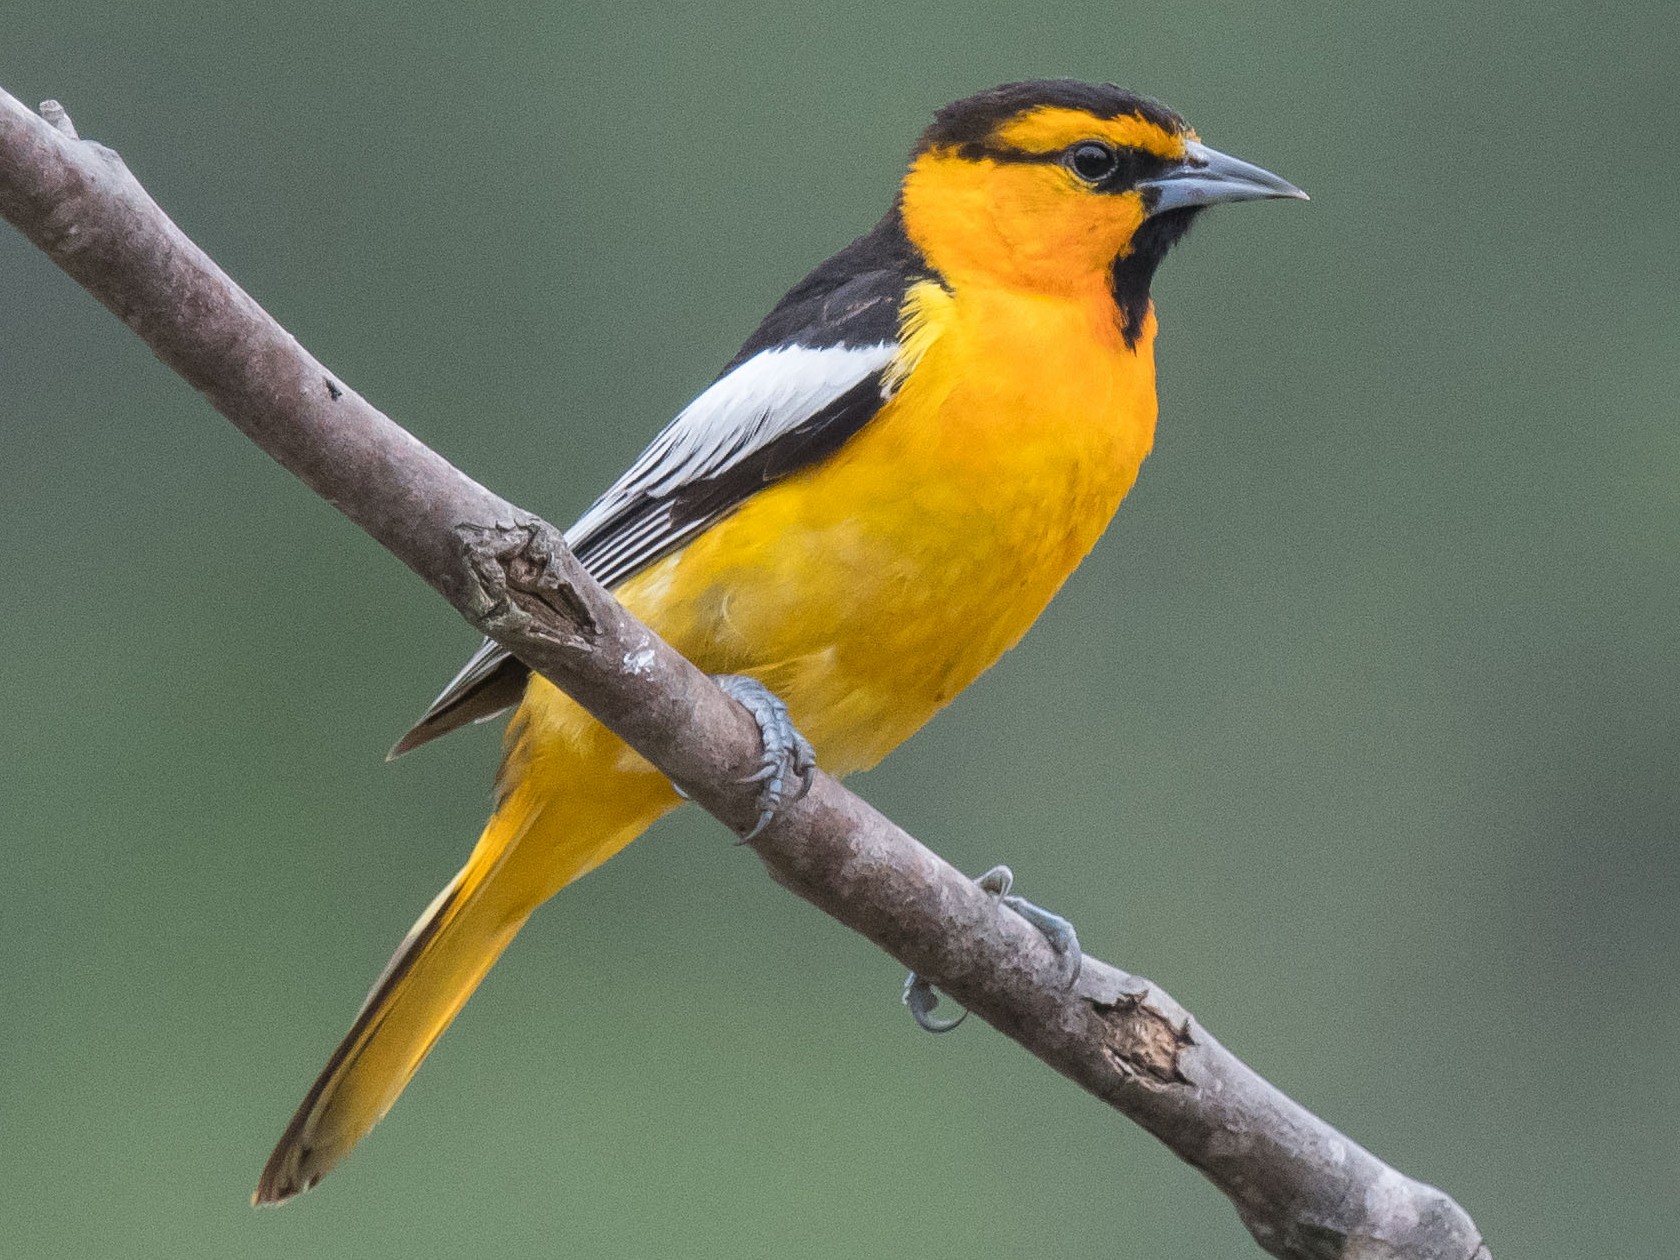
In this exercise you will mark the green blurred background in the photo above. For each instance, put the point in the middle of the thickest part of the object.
(1358, 732)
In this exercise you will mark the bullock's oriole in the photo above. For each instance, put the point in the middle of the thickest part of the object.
(872, 503)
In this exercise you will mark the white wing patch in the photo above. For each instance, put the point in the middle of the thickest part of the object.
(769, 395)
(642, 518)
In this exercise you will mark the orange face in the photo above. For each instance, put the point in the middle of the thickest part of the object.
(1044, 199)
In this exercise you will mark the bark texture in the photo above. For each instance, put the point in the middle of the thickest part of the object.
(1303, 1189)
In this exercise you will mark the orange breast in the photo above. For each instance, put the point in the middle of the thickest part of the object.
(871, 589)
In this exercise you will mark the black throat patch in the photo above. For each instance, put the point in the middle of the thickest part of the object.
(1131, 275)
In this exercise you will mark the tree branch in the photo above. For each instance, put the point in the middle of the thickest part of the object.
(1303, 1190)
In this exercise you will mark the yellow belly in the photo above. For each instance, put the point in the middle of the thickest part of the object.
(870, 590)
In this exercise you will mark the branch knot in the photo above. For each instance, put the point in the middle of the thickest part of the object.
(523, 584)
(1142, 1043)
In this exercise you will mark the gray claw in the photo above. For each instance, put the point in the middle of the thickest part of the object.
(997, 881)
(921, 997)
(919, 994)
(786, 751)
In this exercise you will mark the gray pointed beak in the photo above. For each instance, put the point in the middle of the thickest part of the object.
(1209, 177)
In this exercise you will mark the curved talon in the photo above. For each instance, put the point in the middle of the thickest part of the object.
(997, 881)
(786, 751)
(921, 998)
(919, 993)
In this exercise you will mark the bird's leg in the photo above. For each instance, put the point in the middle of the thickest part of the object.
(787, 754)
(919, 994)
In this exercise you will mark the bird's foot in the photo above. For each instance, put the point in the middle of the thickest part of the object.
(919, 993)
(787, 754)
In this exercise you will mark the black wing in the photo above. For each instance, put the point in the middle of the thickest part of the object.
(815, 372)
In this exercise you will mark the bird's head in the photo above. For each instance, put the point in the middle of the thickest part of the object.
(1056, 186)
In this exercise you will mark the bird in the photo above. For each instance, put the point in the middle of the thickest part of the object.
(871, 503)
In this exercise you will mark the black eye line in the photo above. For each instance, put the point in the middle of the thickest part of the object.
(1132, 163)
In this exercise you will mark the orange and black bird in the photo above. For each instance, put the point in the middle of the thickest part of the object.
(873, 501)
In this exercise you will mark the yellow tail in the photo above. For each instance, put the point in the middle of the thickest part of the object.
(561, 818)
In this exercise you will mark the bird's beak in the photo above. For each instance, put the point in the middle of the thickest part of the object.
(1208, 177)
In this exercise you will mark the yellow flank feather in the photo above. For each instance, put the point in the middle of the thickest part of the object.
(870, 586)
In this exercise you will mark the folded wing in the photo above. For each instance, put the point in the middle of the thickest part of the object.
(815, 372)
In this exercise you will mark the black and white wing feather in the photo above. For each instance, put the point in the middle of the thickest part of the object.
(780, 410)
(816, 371)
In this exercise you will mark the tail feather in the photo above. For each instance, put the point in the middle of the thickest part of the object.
(429, 978)
(557, 817)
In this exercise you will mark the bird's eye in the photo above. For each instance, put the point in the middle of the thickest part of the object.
(1092, 162)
